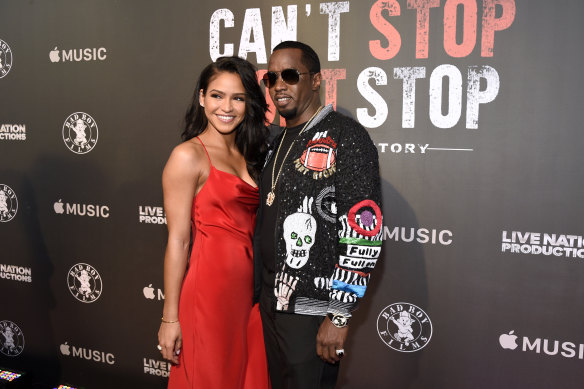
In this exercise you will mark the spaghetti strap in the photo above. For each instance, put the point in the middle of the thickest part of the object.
(206, 152)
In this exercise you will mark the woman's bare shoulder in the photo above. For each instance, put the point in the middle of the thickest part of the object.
(188, 157)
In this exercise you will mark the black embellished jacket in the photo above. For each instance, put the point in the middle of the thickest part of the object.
(329, 224)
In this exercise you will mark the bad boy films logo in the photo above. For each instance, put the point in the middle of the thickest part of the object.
(80, 133)
(8, 203)
(404, 327)
(11, 339)
(84, 283)
(5, 58)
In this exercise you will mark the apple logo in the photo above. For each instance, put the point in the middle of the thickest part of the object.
(65, 349)
(148, 292)
(507, 341)
(54, 55)
(58, 207)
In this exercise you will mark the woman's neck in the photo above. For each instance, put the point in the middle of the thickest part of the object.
(217, 139)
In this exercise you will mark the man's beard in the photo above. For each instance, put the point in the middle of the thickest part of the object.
(289, 114)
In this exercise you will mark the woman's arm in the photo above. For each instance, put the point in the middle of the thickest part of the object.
(180, 181)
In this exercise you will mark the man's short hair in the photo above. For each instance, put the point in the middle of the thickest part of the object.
(309, 56)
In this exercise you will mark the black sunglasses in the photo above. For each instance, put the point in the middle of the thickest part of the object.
(289, 76)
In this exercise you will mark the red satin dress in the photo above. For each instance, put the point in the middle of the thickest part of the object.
(223, 344)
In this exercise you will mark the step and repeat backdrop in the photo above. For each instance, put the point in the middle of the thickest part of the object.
(474, 105)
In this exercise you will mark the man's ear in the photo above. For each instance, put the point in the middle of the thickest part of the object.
(316, 80)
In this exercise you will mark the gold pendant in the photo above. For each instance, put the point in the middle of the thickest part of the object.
(270, 199)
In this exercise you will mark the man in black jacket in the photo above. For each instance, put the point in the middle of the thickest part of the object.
(319, 225)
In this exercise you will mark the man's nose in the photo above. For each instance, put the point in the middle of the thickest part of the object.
(280, 84)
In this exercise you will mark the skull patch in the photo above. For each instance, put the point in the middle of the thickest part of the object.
(299, 234)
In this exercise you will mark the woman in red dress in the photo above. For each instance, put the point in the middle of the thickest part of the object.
(209, 330)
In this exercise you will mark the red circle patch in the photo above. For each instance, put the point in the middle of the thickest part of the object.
(358, 208)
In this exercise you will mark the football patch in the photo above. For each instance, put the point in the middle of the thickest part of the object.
(319, 158)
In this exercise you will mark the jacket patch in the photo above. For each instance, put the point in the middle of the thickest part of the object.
(285, 286)
(365, 218)
(299, 234)
(319, 157)
(326, 204)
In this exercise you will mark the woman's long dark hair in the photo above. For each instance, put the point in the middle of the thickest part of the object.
(251, 133)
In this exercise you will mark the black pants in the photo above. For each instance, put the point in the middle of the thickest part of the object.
(291, 350)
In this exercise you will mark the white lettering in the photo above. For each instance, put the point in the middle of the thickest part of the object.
(475, 96)
(420, 235)
(454, 96)
(409, 76)
(356, 263)
(252, 25)
(214, 36)
(374, 98)
(283, 30)
(334, 11)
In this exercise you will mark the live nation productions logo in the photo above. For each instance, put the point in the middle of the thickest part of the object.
(5, 58)
(508, 341)
(537, 243)
(8, 203)
(84, 282)
(404, 327)
(11, 339)
(15, 273)
(151, 215)
(156, 367)
(12, 131)
(80, 133)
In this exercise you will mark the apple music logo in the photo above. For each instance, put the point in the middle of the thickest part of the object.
(88, 354)
(91, 210)
(78, 55)
(508, 341)
(420, 235)
(148, 292)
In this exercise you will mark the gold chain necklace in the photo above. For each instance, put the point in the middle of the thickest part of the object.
(272, 195)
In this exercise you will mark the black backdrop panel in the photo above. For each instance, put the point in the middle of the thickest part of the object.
(474, 106)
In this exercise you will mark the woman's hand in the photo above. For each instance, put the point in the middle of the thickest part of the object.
(170, 339)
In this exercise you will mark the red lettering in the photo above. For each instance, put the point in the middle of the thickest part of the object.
(330, 77)
(469, 30)
(327, 141)
(492, 23)
(385, 28)
(422, 24)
